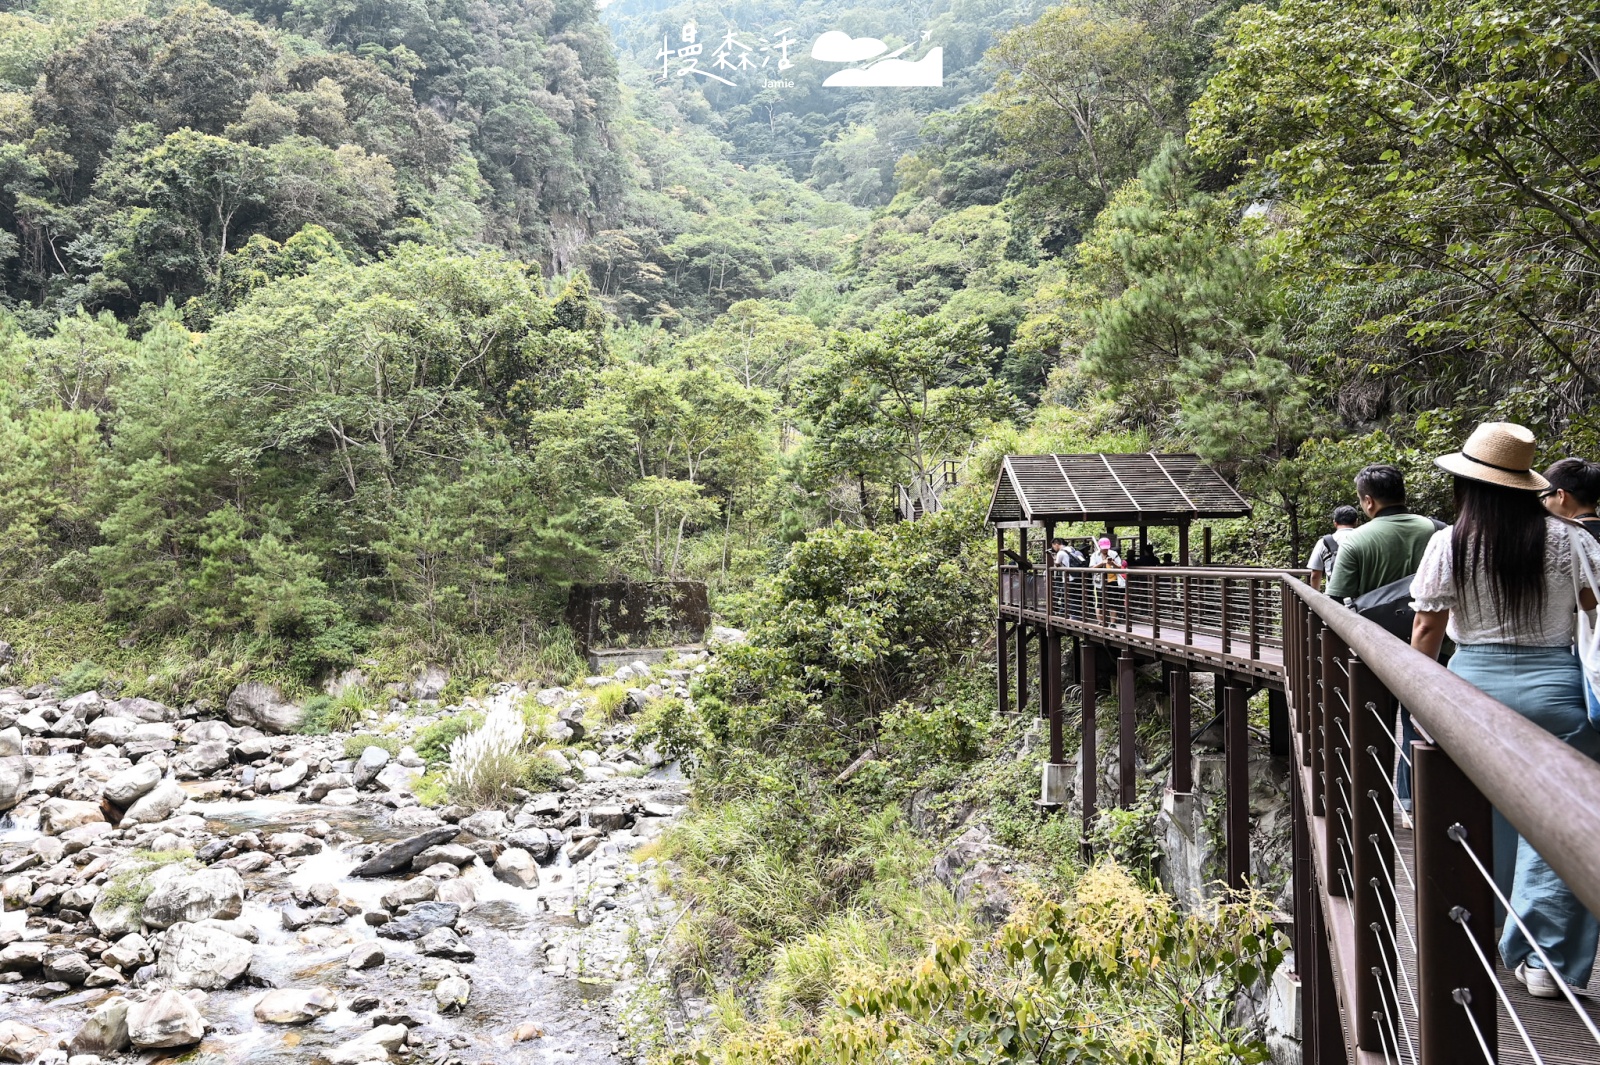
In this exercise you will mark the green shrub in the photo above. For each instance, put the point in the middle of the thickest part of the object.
(355, 745)
(339, 713)
(430, 790)
(675, 729)
(609, 700)
(432, 744)
(84, 676)
(131, 884)
(540, 774)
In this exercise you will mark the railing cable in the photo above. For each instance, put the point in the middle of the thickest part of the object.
(1389, 830)
(1463, 998)
(1458, 833)
(1461, 917)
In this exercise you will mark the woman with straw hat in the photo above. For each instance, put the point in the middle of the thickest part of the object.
(1500, 584)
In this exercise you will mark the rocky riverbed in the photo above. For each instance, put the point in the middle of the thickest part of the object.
(174, 883)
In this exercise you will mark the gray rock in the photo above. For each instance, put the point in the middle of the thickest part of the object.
(67, 966)
(609, 818)
(486, 824)
(261, 706)
(418, 889)
(445, 943)
(431, 684)
(397, 777)
(374, 1045)
(288, 778)
(106, 1030)
(58, 815)
(131, 785)
(398, 856)
(160, 804)
(10, 742)
(451, 993)
(23, 1042)
(324, 784)
(167, 1020)
(366, 956)
(114, 919)
(207, 732)
(204, 759)
(292, 844)
(15, 773)
(449, 853)
(295, 1006)
(423, 918)
(518, 868)
(23, 957)
(129, 952)
(209, 894)
(199, 956)
(107, 729)
(371, 763)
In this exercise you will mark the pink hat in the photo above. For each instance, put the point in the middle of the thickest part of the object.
(1105, 541)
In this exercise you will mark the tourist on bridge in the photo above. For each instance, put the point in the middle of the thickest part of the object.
(1326, 552)
(1574, 490)
(1107, 557)
(1505, 583)
(1067, 591)
(1386, 548)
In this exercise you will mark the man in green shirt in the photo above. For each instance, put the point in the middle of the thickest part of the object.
(1386, 548)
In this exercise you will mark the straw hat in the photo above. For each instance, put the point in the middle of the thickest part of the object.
(1497, 453)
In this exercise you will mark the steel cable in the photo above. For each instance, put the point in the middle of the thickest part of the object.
(1463, 998)
(1461, 917)
(1389, 725)
(1458, 833)
(1396, 844)
(1394, 893)
(1389, 1020)
(1399, 962)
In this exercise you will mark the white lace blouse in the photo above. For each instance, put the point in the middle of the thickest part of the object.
(1473, 618)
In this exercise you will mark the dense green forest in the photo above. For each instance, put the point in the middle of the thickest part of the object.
(340, 334)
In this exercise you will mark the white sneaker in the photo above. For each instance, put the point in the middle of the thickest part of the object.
(1541, 983)
(1405, 819)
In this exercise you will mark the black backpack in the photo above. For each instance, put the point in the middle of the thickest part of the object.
(1390, 605)
(1330, 552)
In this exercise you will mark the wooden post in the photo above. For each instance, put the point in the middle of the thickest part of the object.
(1323, 664)
(1183, 543)
(1182, 713)
(1086, 751)
(1049, 571)
(1454, 901)
(1052, 660)
(1336, 755)
(1278, 723)
(1049, 678)
(1236, 753)
(1127, 783)
(1373, 905)
(1205, 541)
(1003, 649)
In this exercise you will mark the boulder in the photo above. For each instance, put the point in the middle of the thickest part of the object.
(397, 777)
(204, 957)
(262, 706)
(15, 777)
(451, 993)
(366, 956)
(445, 943)
(204, 759)
(105, 1032)
(374, 1045)
(292, 844)
(290, 777)
(609, 818)
(408, 893)
(116, 917)
(518, 868)
(423, 918)
(167, 1020)
(23, 1042)
(129, 952)
(371, 763)
(161, 803)
(209, 894)
(107, 730)
(58, 815)
(67, 966)
(398, 856)
(450, 853)
(431, 684)
(131, 785)
(486, 824)
(23, 957)
(324, 784)
(207, 732)
(295, 1006)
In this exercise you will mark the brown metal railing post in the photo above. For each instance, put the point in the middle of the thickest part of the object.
(1236, 757)
(1182, 710)
(1022, 665)
(1227, 639)
(1049, 679)
(1086, 751)
(1155, 605)
(1003, 675)
(1324, 668)
(1336, 795)
(1255, 618)
(1188, 610)
(1126, 782)
(1373, 909)
(1453, 902)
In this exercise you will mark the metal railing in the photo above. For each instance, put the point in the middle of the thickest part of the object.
(1396, 929)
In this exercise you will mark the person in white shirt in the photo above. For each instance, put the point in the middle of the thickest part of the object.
(1321, 562)
(1106, 557)
(1505, 584)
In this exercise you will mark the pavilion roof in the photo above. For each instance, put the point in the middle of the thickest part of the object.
(1133, 489)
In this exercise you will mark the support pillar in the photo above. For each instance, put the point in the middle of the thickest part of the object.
(1236, 757)
(1053, 781)
(1086, 754)
(1183, 544)
(1127, 780)
(1182, 714)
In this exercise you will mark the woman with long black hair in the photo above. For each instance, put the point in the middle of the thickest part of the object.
(1500, 584)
